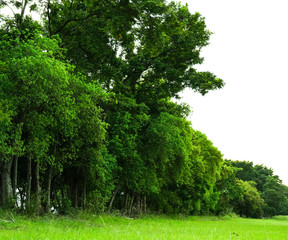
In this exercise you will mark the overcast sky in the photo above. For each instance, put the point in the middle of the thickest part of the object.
(247, 119)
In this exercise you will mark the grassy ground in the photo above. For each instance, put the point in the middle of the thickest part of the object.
(109, 227)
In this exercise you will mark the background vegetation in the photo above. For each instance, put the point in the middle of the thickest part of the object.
(87, 119)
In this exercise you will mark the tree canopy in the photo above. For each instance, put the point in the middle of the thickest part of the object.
(88, 121)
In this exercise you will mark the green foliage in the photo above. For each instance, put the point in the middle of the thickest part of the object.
(189, 173)
(53, 111)
(230, 193)
(126, 119)
(143, 52)
(146, 50)
(269, 186)
(253, 204)
(95, 115)
(275, 195)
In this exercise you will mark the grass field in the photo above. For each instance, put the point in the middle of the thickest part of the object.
(109, 227)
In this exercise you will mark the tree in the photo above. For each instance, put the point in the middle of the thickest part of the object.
(188, 166)
(253, 204)
(269, 186)
(230, 193)
(143, 52)
(54, 107)
(145, 49)
(275, 196)
(76, 142)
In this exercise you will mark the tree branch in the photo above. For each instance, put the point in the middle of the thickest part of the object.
(49, 18)
(69, 20)
(73, 20)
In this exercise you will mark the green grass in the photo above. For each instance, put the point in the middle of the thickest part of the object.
(109, 227)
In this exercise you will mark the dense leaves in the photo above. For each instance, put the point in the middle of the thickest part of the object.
(270, 187)
(87, 119)
(51, 107)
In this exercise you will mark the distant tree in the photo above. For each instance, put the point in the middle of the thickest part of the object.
(244, 170)
(262, 174)
(253, 204)
(275, 196)
(269, 186)
(191, 191)
(230, 193)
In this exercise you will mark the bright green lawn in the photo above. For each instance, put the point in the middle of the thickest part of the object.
(108, 227)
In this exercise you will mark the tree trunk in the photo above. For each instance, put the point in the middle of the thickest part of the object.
(37, 196)
(145, 204)
(131, 205)
(84, 194)
(29, 178)
(22, 199)
(15, 178)
(76, 196)
(126, 207)
(113, 197)
(7, 192)
(138, 205)
(49, 189)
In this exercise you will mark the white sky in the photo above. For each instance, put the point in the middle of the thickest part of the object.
(248, 118)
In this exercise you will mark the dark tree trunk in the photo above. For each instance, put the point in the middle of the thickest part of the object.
(144, 204)
(38, 190)
(113, 197)
(15, 177)
(76, 196)
(6, 183)
(29, 179)
(131, 205)
(49, 189)
(138, 205)
(22, 199)
(84, 194)
(126, 206)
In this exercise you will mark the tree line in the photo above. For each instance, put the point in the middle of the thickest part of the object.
(88, 121)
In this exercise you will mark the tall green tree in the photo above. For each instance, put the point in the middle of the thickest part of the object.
(275, 196)
(136, 48)
(269, 185)
(52, 104)
(253, 203)
(144, 52)
(229, 190)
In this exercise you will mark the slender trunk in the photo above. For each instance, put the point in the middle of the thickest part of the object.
(15, 177)
(57, 198)
(139, 209)
(126, 207)
(37, 197)
(7, 192)
(49, 189)
(49, 18)
(113, 197)
(145, 204)
(22, 199)
(131, 205)
(23, 10)
(84, 194)
(76, 195)
(49, 180)
(21, 17)
(29, 178)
